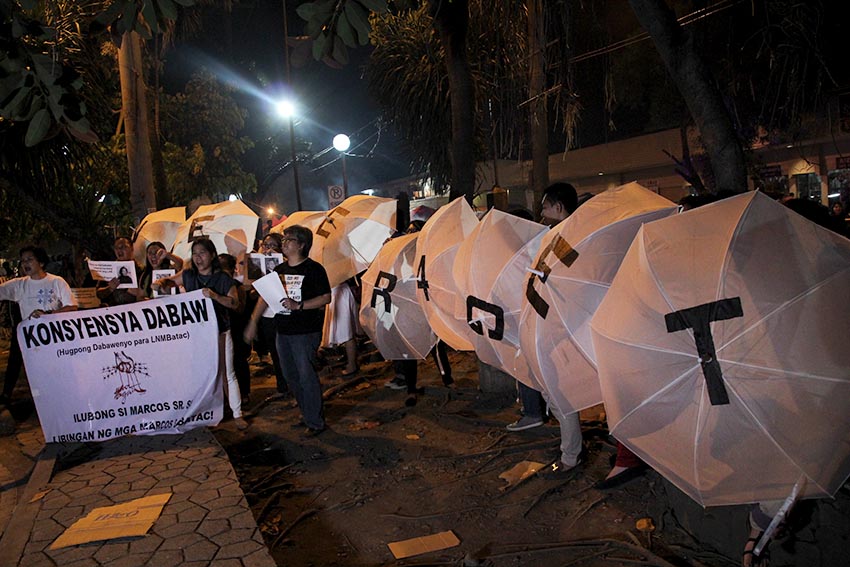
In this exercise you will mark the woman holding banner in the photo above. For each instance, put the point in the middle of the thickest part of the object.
(205, 273)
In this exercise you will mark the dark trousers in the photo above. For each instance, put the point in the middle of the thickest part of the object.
(268, 335)
(532, 401)
(298, 353)
(241, 352)
(410, 371)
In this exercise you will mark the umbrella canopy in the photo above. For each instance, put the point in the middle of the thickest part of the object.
(159, 226)
(437, 291)
(490, 269)
(231, 226)
(308, 219)
(722, 352)
(352, 233)
(390, 313)
(574, 268)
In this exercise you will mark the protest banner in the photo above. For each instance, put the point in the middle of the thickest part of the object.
(138, 369)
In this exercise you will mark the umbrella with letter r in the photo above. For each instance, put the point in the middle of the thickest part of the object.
(722, 352)
(389, 312)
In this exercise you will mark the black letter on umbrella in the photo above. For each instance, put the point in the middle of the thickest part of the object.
(339, 211)
(495, 333)
(421, 282)
(565, 253)
(196, 229)
(699, 318)
(384, 291)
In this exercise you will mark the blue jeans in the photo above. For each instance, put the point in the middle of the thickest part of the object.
(531, 400)
(297, 355)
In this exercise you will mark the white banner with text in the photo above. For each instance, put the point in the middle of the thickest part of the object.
(139, 369)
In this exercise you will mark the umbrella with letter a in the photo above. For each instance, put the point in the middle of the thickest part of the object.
(437, 291)
(572, 272)
(722, 352)
(231, 226)
(490, 269)
(389, 312)
(352, 233)
(158, 226)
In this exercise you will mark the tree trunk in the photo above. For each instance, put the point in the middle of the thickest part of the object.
(699, 91)
(136, 132)
(538, 115)
(160, 180)
(452, 21)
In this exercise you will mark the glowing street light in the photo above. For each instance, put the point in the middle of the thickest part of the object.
(285, 108)
(341, 144)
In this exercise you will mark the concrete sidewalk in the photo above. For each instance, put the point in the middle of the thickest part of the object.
(207, 521)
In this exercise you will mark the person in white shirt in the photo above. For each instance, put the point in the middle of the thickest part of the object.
(37, 293)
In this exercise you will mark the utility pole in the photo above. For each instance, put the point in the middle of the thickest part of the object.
(291, 121)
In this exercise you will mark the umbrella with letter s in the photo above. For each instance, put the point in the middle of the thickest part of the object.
(489, 270)
(158, 226)
(231, 226)
(389, 312)
(436, 289)
(571, 274)
(722, 352)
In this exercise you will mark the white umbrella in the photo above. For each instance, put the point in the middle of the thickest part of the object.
(231, 226)
(437, 291)
(490, 269)
(159, 226)
(352, 233)
(722, 352)
(308, 219)
(390, 313)
(572, 272)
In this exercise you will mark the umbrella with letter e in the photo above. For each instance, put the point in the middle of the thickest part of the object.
(571, 274)
(490, 269)
(390, 313)
(231, 226)
(437, 291)
(722, 352)
(158, 226)
(352, 233)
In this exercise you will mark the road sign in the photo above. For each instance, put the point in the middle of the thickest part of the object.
(336, 195)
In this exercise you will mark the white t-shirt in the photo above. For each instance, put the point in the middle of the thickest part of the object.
(48, 294)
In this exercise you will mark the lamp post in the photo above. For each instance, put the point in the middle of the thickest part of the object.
(291, 125)
(341, 144)
(286, 109)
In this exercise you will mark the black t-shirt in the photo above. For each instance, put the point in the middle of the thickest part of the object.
(220, 283)
(302, 282)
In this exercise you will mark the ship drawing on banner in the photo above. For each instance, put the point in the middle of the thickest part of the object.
(128, 371)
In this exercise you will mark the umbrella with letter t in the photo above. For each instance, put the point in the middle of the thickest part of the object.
(308, 219)
(722, 352)
(158, 226)
(572, 272)
(390, 313)
(231, 226)
(351, 234)
(490, 269)
(437, 291)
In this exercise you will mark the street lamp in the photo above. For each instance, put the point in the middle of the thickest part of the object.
(341, 144)
(286, 109)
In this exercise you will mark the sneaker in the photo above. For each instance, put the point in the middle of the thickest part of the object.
(559, 470)
(397, 383)
(525, 422)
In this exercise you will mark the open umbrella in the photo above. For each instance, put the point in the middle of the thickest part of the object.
(437, 291)
(722, 352)
(158, 226)
(490, 269)
(231, 226)
(390, 313)
(308, 219)
(572, 272)
(352, 233)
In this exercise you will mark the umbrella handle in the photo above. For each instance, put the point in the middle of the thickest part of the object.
(780, 515)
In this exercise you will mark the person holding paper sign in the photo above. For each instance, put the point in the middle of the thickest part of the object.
(157, 258)
(37, 293)
(205, 273)
(108, 292)
(299, 327)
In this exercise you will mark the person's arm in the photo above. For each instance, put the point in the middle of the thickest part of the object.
(250, 332)
(312, 303)
(231, 300)
(167, 283)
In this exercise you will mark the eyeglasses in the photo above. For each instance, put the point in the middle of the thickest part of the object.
(289, 239)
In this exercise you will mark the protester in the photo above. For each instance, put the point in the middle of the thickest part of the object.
(108, 292)
(266, 331)
(37, 293)
(342, 324)
(157, 258)
(559, 201)
(238, 320)
(205, 273)
(299, 330)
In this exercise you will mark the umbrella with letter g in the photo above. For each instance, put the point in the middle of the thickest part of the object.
(389, 312)
(231, 226)
(571, 274)
(722, 352)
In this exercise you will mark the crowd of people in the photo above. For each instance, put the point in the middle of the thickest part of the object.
(314, 315)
